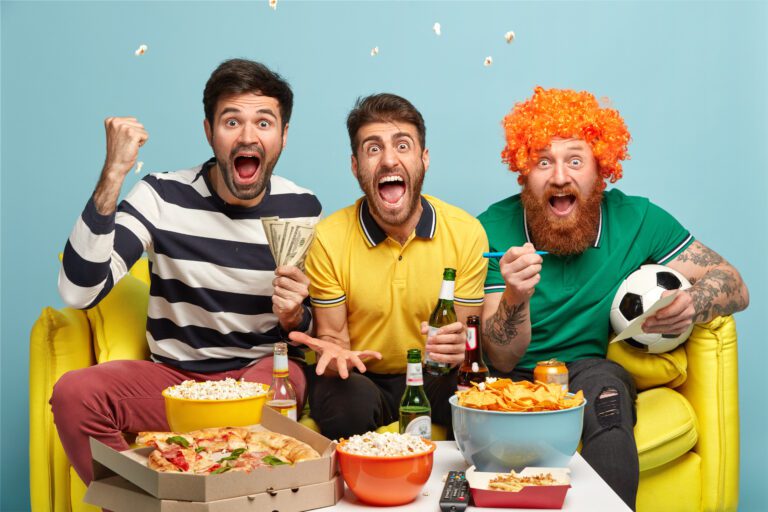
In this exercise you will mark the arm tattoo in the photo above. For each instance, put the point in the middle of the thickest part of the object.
(699, 255)
(718, 293)
(502, 327)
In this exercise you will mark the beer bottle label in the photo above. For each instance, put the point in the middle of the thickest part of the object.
(420, 426)
(471, 338)
(413, 375)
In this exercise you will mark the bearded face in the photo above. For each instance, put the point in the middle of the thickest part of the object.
(561, 196)
(571, 234)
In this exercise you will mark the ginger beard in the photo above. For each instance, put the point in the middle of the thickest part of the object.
(393, 196)
(247, 171)
(571, 234)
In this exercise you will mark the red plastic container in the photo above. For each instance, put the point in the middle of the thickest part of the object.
(531, 496)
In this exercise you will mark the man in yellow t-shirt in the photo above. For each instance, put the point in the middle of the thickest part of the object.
(375, 271)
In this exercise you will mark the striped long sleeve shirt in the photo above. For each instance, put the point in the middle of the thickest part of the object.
(211, 270)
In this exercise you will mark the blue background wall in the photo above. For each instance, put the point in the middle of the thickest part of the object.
(688, 77)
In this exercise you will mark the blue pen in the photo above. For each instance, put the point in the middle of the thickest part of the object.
(500, 254)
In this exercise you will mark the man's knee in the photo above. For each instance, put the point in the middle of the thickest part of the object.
(68, 390)
(345, 407)
(608, 408)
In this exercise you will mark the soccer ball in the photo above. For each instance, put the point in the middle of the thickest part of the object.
(639, 291)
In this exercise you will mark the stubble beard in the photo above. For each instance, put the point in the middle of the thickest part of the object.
(563, 236)
(371, 190)
(252, 191)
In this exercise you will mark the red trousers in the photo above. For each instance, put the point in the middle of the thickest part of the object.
(107, 399)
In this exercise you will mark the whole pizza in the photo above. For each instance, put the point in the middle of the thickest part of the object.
(217, 450)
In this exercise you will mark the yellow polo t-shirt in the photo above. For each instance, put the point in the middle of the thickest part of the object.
(388, 288)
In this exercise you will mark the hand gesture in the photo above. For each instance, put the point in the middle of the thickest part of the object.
(291, 287)
(125, 135)
(448, 344)
(673, 319)
(520, 267)
(333, 357)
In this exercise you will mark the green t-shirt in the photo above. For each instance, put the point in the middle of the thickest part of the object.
(571, 304)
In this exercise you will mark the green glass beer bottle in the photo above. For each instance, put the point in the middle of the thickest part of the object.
(415, 411)
(443, 314)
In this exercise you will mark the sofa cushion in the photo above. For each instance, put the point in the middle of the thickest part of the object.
(673, 487)
(119, 322)
(666, 428)
(651, 370)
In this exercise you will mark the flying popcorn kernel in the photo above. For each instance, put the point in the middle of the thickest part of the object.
(139, 165)
(436, 28)
(509, 36)
(374, 51)
(273, 4)
(488, 61)
(141, 50)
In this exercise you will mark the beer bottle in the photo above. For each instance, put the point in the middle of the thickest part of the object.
(473, 368)
(443, 314)
(281, 395)
(415, 411)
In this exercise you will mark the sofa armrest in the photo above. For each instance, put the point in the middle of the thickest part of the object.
(60, 341)
(712, 390)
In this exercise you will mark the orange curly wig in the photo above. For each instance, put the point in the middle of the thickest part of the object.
(550, 113)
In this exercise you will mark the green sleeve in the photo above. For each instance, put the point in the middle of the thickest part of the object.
(665, 236)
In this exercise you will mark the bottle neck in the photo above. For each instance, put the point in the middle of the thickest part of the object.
(473, 352)
(446, 290)
(280, 368)
(413, 375)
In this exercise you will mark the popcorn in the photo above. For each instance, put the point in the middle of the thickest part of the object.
(488, 61)
(436, 28)
(388, 444)
(139, 165)
(374, 51)
(509, 36)
(227, 389)
(141, 50)
(273, 4)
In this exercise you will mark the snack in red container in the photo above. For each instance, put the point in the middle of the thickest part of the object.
(543, 488)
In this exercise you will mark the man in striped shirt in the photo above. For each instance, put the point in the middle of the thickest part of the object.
(217, 301)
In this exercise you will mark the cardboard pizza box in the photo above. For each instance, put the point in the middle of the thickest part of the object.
(132, 466)
(119, 495)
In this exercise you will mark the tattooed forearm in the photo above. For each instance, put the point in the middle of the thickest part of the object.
(503, 326)
(720, 292)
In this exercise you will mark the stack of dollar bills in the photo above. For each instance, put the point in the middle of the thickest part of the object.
(288, 240)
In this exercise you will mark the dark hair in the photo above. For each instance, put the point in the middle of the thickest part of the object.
(383, 107)
(238, 76)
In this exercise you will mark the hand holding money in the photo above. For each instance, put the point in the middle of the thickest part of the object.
(291, 288)
(289, 240)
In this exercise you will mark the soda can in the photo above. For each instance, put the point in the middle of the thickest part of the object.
(552, 371)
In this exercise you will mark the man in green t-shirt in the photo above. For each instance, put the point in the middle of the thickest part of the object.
(564, 145)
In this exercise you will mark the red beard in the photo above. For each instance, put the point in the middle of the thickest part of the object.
(562, 236)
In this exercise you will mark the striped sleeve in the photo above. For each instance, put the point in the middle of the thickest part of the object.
(98, 253)
(471, 273)
(324, 287)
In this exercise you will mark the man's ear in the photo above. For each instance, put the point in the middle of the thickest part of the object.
(208, 132)
(425, 159)
(285, 135)
(354, 165)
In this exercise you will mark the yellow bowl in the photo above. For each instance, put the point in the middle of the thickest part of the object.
(185, 415)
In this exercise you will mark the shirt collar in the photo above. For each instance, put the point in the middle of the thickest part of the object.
(598, 238)
(374, 235)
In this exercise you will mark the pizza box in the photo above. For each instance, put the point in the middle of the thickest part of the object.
(132, 465)
(119, 495)
(531, 496)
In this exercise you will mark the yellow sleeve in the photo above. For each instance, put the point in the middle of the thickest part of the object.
(470, 276)
(324, 287)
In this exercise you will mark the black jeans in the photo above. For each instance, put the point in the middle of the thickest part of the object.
(365, 402)
(608, 439)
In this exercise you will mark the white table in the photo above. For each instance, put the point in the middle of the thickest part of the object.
(588, 491)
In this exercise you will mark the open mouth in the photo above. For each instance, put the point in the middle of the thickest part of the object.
(391, 190)
(562, 204)
(246, 168)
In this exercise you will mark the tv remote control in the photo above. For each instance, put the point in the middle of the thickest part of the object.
(455, 496)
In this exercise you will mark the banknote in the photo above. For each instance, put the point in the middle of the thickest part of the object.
(288, 240)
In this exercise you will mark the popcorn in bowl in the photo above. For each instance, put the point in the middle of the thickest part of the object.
(227, 389)
(387, 444)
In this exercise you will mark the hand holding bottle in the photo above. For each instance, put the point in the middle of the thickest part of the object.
(447, 344)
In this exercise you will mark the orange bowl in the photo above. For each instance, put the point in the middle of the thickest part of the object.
(385, 481)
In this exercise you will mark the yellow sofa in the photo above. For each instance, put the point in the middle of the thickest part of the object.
(688, 419)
